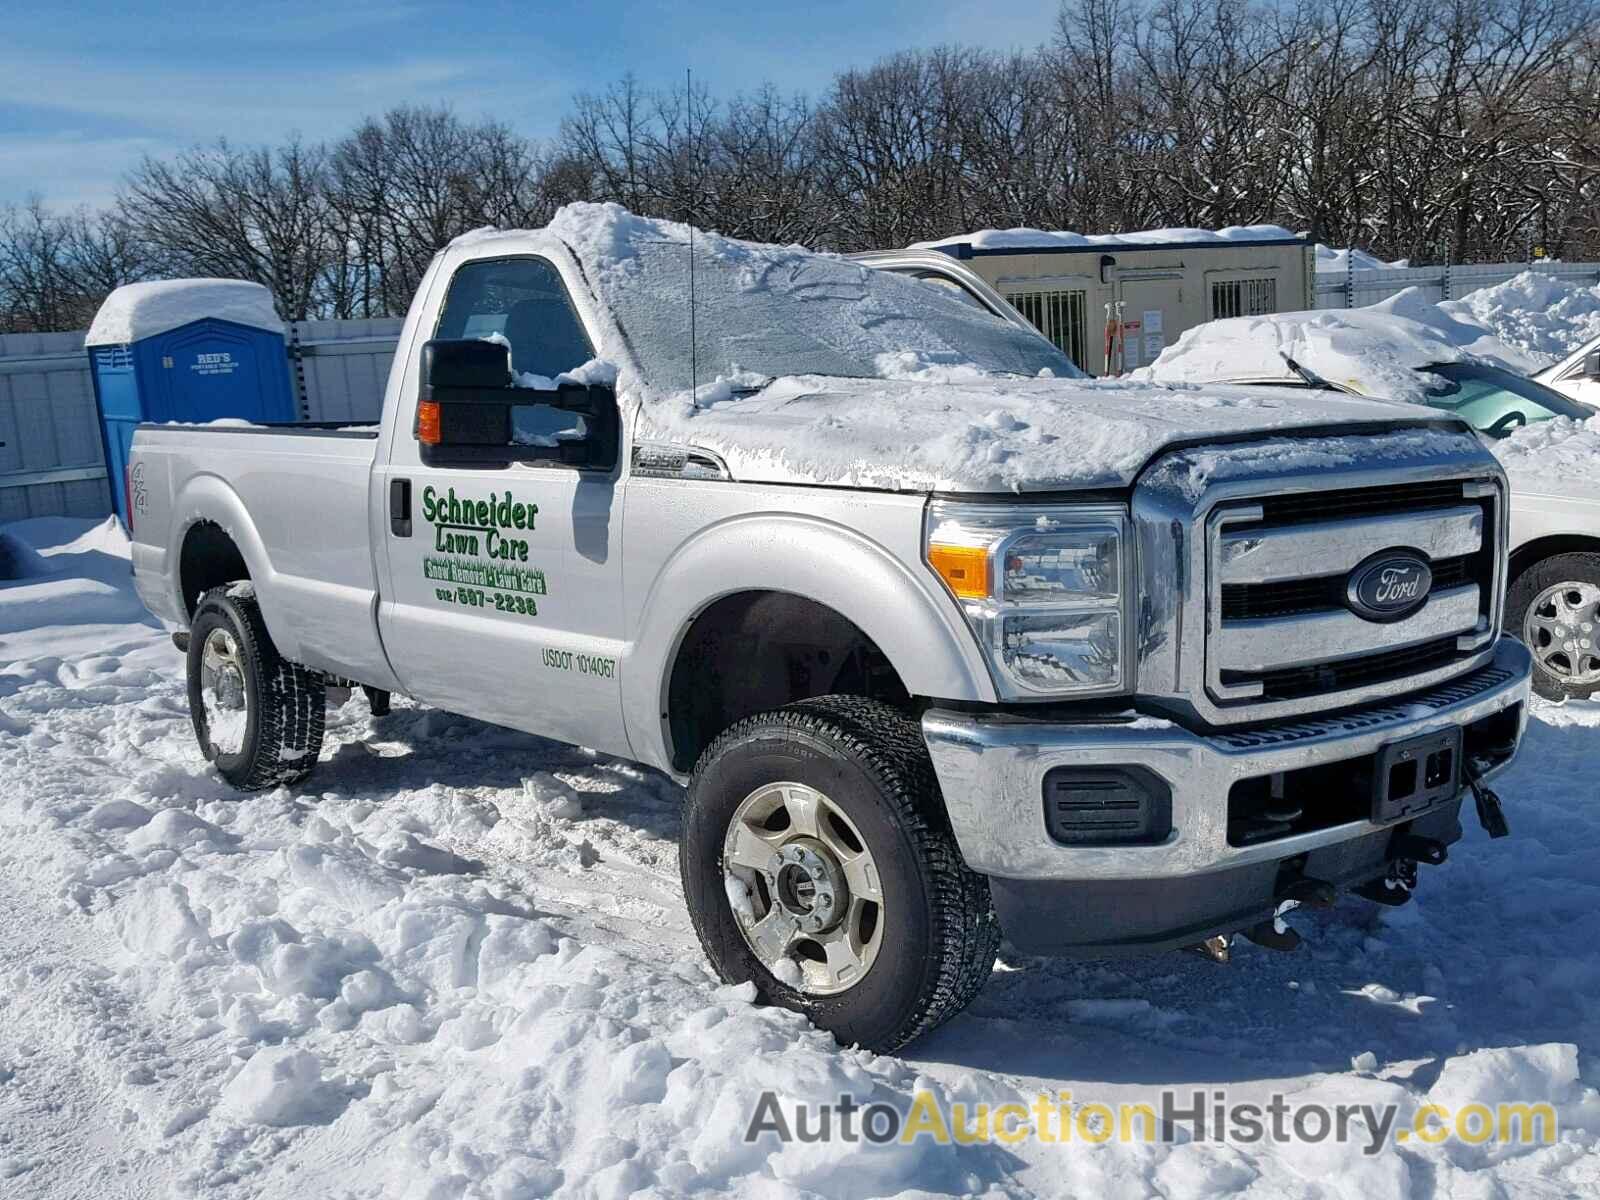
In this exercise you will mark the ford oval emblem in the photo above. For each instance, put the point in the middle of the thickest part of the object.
(1389, 586)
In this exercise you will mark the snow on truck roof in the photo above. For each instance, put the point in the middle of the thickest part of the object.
(136, 311)
(815, 369)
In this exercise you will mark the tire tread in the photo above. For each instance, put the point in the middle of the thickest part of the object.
(292, 704)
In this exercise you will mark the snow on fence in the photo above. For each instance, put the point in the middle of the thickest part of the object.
(53, 462)
(1356, 289)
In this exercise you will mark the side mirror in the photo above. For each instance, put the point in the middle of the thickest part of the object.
(470, 415)
(1591, 365)
(465, 363)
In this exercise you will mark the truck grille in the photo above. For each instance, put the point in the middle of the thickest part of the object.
(1282, 628)
(1359, 502)
(1320, 593)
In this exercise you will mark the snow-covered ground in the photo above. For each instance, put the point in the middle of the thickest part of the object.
(458, 964)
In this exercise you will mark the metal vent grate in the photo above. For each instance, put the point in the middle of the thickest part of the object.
(1060, 316)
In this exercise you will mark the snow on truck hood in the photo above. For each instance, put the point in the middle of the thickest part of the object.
(816, 369)
(999, 435)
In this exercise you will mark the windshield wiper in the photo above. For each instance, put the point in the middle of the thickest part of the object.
(1307, 376)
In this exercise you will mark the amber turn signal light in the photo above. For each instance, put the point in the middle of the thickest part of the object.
(965, 569)
(428, 423)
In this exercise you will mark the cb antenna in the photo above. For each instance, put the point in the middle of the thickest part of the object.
(688, 117)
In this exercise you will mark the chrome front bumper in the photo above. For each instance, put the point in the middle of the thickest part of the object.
(991, 769)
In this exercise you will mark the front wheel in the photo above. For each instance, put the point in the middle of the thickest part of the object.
(1554, 607)
(818, 862)
(256, 716)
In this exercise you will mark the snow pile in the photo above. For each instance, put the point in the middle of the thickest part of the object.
(1559, 457)
(19, 560)
(390, 986)
(1337, 262)
(1457, 325)
(1543, 315)
(141, 310)
(1376, 351)
(81, 573)
(1023, 239)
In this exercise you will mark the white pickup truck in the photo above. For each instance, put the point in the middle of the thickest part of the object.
(945, 640)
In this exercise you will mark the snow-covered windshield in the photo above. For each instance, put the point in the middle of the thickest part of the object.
(764, 312)
(1495, 401)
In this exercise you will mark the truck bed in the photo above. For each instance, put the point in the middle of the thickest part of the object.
(298, 507)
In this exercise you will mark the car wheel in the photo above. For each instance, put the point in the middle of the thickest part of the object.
(1554, 608)
(257, 717)
(817, 861)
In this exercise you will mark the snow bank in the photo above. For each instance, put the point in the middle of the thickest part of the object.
(1024, 239)
(1542, 315)
(1458, 326)
(1376, 350)
(19, 560)
(55, 569)
(1558, 457)
(141, 310)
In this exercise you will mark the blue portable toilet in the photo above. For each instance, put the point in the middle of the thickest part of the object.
(190, 350)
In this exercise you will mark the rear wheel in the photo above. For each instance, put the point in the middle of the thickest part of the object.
(1554, 607)
(256, 716)
(817, 861)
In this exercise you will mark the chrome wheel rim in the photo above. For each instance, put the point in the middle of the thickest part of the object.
(223, 693)
(804, 888)
(1562, 629)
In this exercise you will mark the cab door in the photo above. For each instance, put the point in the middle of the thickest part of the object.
(505, 580)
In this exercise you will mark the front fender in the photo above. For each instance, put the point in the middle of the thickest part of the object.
(900, 607)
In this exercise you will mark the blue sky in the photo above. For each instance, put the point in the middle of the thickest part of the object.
(86, 89)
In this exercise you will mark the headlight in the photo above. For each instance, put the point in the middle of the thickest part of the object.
(1042, 588)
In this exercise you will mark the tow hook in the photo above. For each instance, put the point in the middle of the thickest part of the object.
(1276, 934)
(1304, 891)
(1214, 948)
(1394, 888)
(1490, 814)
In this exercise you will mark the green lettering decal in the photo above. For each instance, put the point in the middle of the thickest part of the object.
(476, 561)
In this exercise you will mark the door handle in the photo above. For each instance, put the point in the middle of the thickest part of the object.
(400, 507)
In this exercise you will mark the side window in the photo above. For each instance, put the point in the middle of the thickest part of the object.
(524, 301)
(954, 287)
(462, 421)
